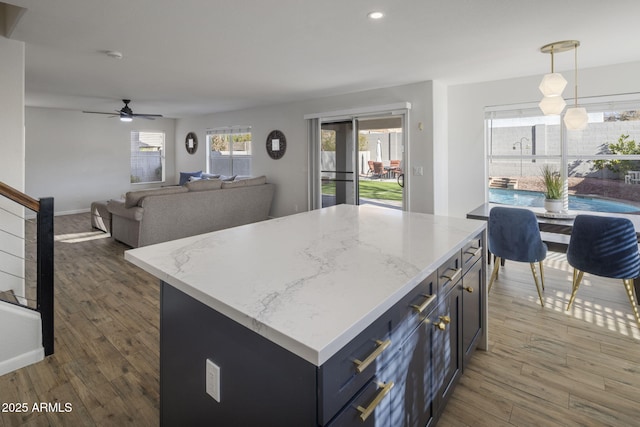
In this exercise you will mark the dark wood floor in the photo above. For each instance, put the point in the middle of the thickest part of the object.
(106, 361)
(545, 366)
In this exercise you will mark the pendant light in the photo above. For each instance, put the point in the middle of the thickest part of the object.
(576, 118)
(551, 87)
(554, 83)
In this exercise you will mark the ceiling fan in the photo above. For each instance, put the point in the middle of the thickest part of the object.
(126, 114)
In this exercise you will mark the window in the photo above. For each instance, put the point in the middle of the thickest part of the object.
(229, 151)
(598, 165)
(147, 157)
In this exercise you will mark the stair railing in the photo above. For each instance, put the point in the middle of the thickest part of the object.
(44, 258)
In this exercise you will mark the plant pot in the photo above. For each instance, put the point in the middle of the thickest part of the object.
(553, 205)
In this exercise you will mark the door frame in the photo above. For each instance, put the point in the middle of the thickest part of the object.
(315, 121)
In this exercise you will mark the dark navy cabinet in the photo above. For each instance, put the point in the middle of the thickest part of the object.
(399, 371)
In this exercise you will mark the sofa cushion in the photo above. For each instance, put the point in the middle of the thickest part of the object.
(132, 198)
(184, 176)
(259, 180)
(204, 185)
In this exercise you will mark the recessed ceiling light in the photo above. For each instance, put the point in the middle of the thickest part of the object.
(375, 15)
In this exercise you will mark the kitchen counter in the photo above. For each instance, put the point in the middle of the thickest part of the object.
(332, 317)
(309, 282)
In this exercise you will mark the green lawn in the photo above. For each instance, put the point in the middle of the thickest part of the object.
(371, 190)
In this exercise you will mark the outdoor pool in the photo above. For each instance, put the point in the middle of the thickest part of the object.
(505, 196)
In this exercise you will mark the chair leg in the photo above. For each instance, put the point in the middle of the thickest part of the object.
(631, 293)
(535, 279)
(541, 274)
(494, 274)
(577, 278)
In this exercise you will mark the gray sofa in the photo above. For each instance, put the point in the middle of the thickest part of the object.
(152, 216)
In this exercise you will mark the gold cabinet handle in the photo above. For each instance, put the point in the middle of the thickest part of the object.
(474, 251)
(362, 365)
(455, 276)
(469, 289)
(442, 324)
(365, 412)
(422, 307)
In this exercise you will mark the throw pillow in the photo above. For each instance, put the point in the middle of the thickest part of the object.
(184, 176)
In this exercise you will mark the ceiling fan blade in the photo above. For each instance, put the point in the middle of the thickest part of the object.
(147, 116)
(96, 112)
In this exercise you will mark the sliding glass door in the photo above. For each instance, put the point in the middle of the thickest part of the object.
(359, 156)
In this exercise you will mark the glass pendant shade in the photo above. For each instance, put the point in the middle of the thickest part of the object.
(552, 105)
(576, 118)
(552, 84)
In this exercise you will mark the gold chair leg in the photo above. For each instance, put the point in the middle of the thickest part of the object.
(494, 274)
(541, 274)
(535, 279)
(631, 293)
(577, 278)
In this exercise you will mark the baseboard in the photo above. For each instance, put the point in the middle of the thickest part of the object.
(21, 361)
(75, 211)
(32, 215)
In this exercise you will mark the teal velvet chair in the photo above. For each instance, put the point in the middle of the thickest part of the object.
(606, 247)
(514, 235)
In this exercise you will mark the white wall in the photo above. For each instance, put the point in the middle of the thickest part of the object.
(12, 117)
(290, 174)
(79, 158)
(20, 331)
(467, 185)
(12, 162)
(440, 149)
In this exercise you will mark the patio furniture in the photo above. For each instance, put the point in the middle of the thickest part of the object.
(378, 169)
(370, 171)
(606, 247)
(632, 177)
(514, 235)
(394, 168)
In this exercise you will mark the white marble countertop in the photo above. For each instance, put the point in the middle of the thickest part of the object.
(313, 281)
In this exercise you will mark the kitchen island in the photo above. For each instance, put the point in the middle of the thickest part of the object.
(327, 317)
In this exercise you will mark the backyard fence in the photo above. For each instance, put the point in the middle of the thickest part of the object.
(146, 166)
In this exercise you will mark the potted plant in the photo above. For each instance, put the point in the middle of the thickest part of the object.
(553, 189)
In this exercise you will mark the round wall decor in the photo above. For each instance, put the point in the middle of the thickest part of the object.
(191, 143)
(276, 144)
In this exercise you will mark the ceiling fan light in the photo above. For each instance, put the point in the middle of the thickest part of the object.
(552, 84)
(126, 119)
(576, 118)
(552, 105)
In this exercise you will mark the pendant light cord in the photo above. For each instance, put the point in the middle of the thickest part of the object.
(576, 76)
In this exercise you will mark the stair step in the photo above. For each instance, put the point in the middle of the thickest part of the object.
(503, 183)
(9, 296)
